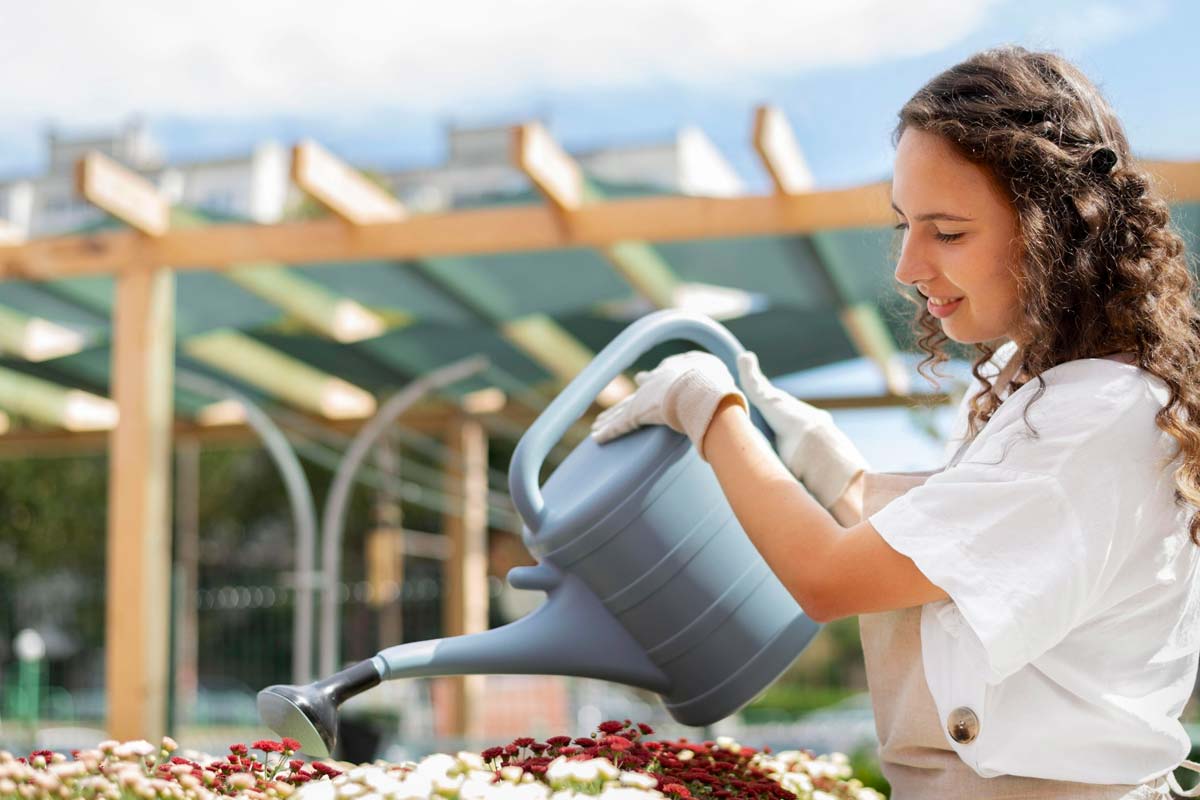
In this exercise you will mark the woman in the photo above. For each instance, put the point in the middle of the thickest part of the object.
(1031, 613)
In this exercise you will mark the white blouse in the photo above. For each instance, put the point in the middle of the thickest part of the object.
(1073, 625)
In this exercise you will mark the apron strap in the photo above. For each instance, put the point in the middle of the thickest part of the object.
(1174, 784)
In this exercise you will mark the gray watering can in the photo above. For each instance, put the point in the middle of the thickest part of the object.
(650, 580)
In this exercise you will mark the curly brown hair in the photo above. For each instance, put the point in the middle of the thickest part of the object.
(1102, 271)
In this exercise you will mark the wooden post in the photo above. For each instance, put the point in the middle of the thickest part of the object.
(139, 529)
(465, 609)
(138, 595)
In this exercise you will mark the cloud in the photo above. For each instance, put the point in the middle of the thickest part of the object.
(1075, 30)
(82, 62)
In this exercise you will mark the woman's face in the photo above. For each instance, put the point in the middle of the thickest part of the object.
(960, 238)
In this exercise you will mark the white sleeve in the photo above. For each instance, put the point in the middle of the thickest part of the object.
(1009, 550)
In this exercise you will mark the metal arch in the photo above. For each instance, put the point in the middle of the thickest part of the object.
(304, 511)
(333, 516)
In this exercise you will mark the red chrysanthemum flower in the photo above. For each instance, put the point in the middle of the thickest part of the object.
(611, 726)
(618, 743)
(268, 746)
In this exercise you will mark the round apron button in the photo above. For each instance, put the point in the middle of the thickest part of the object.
(963, 725)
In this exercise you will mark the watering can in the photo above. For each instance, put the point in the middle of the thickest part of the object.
(650, 580)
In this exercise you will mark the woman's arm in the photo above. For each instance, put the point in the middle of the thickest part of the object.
(833, 568)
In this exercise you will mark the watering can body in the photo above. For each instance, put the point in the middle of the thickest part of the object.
(642, 522)
(650, 579)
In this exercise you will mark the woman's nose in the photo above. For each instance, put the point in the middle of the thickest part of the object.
(912, 265)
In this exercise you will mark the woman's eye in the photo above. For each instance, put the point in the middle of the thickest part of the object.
(947, 237)
(901, 226)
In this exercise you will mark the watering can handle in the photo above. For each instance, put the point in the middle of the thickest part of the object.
(570, 405)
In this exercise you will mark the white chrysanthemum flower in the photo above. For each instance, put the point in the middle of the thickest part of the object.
(820, 795)
(448, 786)
(470, 760)
(796, 782)
(138, 748)
(583, 771)
(241, 780)
(511, 773)
(685, 755)
(69, 769)
(608, 770)
(558, 772)
(436, 765)
(350, 789)
(317, 790)
(726, 742)
(475, 788)
(628, 793)
(638, 780)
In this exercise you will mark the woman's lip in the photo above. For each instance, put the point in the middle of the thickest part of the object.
(943, 311)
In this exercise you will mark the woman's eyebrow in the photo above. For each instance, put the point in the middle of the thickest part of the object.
(934, 216)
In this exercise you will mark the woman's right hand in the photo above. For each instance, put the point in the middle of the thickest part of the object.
(807, 440)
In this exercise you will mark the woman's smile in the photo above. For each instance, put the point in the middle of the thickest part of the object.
(943, 307)
(960, 231)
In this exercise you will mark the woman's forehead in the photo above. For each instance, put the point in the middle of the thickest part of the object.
(931, 177)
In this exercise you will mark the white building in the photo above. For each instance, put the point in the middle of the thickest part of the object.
(257, 186)
(479, 164)
(254, 187)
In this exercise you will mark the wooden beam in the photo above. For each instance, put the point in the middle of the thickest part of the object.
(28, 443)
(479, 231)
(339, 318)
(463, 232)
(553, 347)
(341, 188)
(36, 339)
(139, 502)
(280, 375)
(51, 404)
(465, 609)
(562, 182)
(123, 193)
(779, 151)
(776, 145)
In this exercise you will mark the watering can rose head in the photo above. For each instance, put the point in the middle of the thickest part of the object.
(682, 392)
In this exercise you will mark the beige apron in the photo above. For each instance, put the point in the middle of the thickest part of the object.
(913, 752)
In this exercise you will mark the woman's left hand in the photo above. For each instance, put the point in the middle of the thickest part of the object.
(682, 392)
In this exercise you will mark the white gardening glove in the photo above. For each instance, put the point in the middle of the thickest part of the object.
(683, 392)
(808, 442)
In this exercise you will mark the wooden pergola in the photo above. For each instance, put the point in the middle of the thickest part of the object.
(145, 258)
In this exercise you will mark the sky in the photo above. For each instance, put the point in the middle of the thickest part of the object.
(379, 82)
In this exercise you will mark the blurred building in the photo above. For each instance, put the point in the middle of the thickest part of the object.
(254, 186)
(479, 164)
(257, 187)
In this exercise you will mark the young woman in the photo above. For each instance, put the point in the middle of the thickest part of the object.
(1030, 614)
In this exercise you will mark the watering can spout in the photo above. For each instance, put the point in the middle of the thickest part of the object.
(569, 634)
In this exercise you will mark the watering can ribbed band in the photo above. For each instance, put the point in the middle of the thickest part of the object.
(711, 618)
(672, 562)
(757, 673)
(612, 523)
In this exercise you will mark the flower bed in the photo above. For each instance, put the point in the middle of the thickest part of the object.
(617, 763)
